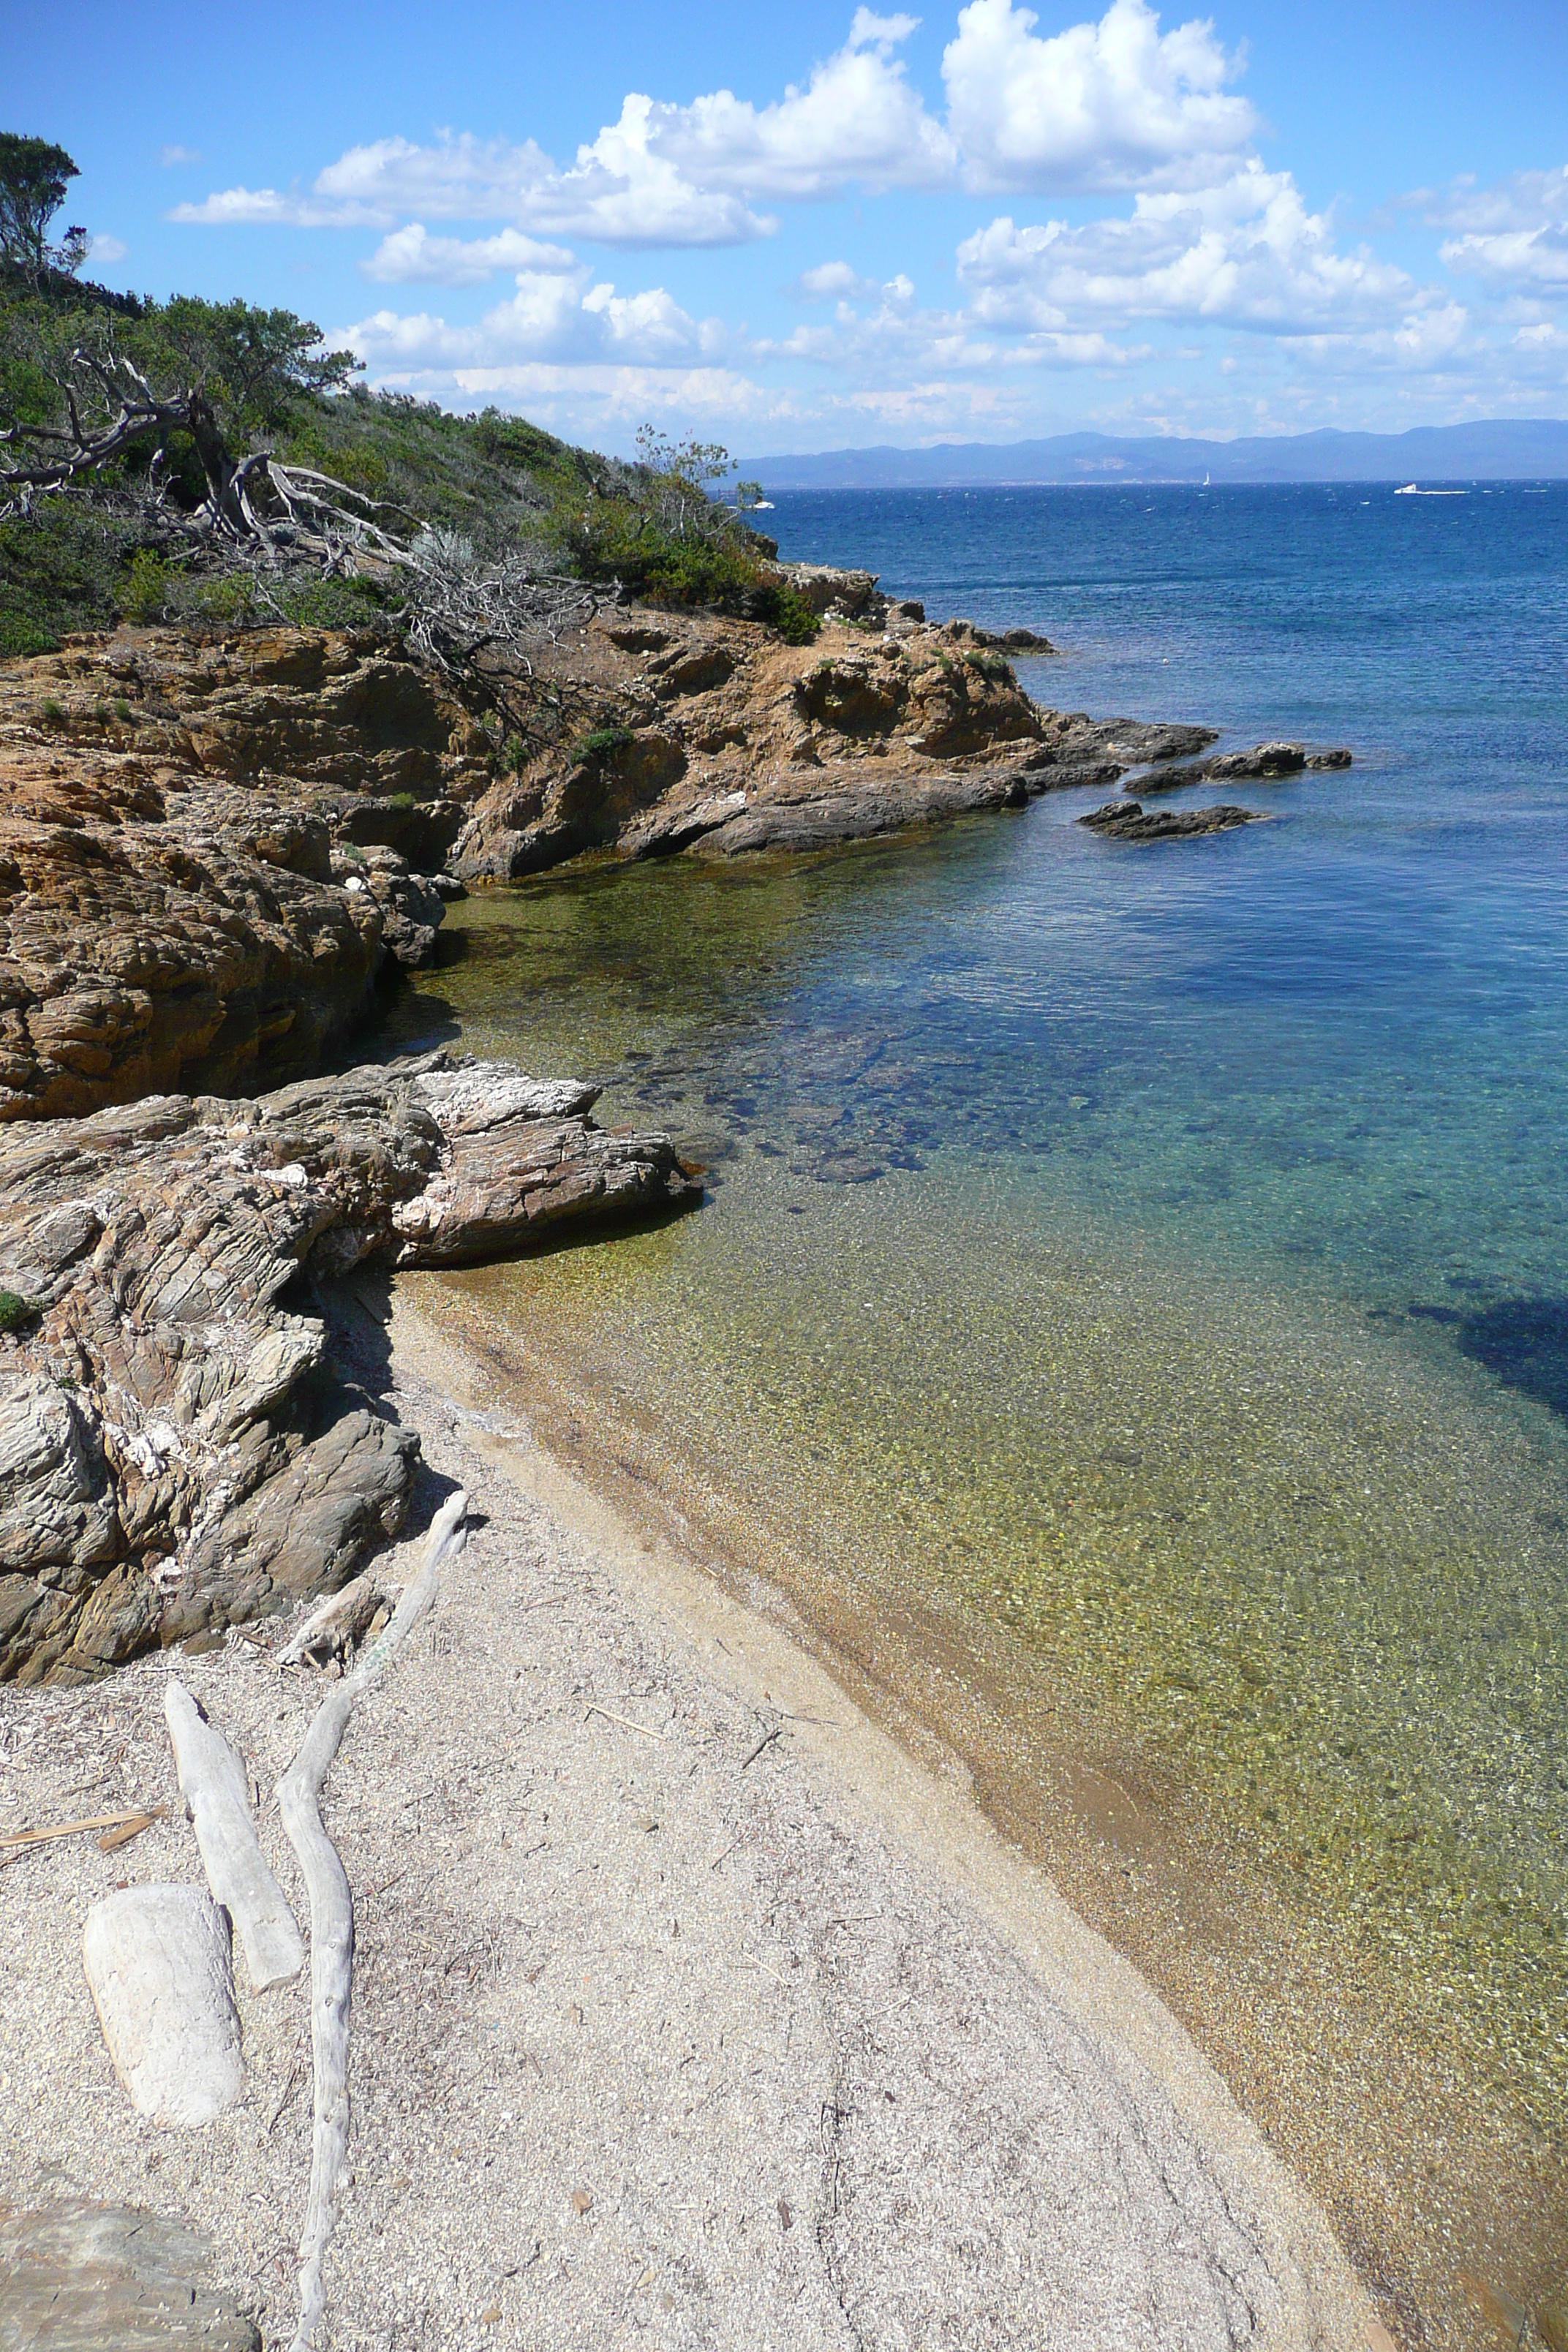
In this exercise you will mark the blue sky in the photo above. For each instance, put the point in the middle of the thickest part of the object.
(826, 225)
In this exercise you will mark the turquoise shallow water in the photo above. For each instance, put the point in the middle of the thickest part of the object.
(1161, 1249)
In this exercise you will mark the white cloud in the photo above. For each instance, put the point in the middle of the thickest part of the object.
(1525, 199)
(1246, 253)
(169, 156)
(857, 121)
(557, 315)
(1102, 106)
(619, 191)
(1528, 258)
(107, 248)
(412, 257)
(832, 281)
(1098, 107)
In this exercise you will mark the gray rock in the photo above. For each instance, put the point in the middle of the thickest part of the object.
(1127, 820)
(175, 1454)
(82, 2277)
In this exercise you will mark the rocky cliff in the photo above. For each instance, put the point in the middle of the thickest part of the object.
(176, 1453)
(205, 856)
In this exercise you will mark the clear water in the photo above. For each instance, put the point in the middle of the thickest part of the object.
(1159, 1251)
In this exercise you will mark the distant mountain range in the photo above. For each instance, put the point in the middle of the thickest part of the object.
(1504, 449)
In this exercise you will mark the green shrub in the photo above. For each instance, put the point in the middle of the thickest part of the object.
(146, 587)
(15, 1313)
(783, 608)
(53, 713)
(122, 710)
(991, 664)
(401, 800)
(601, 745)
(512, 754)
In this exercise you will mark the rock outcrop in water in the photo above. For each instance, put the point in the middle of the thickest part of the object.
(727, 741)
(1129, 821)
(1265, 763)
(175, 1452)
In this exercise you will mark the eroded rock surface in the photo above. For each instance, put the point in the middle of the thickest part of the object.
(82, 2277)
(207, 852)
(175, 1452)
(727, 741)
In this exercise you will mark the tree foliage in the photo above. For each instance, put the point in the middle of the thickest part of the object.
(34, 177)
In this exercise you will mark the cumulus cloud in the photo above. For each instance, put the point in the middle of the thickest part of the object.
(1102, 106)
(857, 121)
(619, 191)
(412, 257)
(1095, 108)
(556, 314)
(107, 248)
(1246, 253)
(1533, 260)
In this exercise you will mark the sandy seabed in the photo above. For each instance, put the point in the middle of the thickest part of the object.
(689, 2009)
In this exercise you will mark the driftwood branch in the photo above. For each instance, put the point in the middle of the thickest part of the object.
(331, 1913)
(213, 1784)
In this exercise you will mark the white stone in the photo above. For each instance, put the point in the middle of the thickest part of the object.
(161, 1976)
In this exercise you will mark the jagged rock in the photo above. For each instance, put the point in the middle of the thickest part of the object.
(1264, 763)
(169, 914)
(174, 1451)
(1127, 820)
(732, 741)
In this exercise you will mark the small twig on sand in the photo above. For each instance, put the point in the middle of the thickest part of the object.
(19, 1840)
(111, 1839)
(729, 1850)
(765, 1741)
(296, 2076)
(625, 1721)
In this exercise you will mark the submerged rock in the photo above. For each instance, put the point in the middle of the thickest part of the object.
(175, 1452)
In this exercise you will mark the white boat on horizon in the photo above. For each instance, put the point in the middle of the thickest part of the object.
(1407, 490)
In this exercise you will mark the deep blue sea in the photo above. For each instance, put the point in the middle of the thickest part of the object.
(1198, 1328)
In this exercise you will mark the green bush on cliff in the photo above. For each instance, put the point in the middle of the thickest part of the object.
(600, 745)
(15, 1313)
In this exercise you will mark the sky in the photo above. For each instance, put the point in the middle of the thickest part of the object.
(828, 226)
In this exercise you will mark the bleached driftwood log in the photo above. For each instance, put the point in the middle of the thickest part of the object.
(341, 1619)
(161, 1976)
(332, 1912)
(213, 1784)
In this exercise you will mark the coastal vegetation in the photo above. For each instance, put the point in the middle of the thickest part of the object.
(214, 463)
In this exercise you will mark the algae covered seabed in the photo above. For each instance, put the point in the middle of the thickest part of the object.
(1161, 1417)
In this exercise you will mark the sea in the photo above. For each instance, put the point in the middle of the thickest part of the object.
(1127, 1328)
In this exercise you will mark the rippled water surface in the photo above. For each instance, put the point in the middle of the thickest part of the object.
(1158, 1252)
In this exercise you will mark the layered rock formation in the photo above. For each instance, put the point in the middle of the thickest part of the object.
(204, 855)
(175, 1452)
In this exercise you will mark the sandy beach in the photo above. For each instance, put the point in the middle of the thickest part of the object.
(687, 2008)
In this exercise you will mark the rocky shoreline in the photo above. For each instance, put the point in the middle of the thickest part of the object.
(213, 849)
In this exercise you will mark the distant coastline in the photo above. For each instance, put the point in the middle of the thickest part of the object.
(1500, 450)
